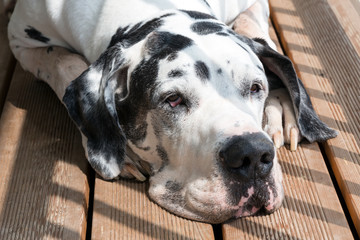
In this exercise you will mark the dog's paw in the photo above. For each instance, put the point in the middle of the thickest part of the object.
(280, 120)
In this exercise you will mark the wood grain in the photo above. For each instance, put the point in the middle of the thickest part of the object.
(43, 189)
(322, 38)
(122, 210)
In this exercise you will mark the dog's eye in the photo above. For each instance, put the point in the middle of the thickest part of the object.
(255, 88)
(174, 100)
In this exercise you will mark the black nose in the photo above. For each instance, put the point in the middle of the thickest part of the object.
(249, 156)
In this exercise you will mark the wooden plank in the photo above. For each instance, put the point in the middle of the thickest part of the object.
(43, 188)
(322, 38)
(7, 61)
(305, 214)
(122, 210)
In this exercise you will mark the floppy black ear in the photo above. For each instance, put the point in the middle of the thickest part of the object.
(281, 71)
(90, 101)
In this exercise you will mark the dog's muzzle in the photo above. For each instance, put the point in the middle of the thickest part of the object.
(249, 159)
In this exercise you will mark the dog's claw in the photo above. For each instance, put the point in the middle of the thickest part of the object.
(280, 121)
(135, 172)
(278, 139)
(294, 136)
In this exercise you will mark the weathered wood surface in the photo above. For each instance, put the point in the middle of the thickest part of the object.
(122, 210)
(323, 39)
(43, 188)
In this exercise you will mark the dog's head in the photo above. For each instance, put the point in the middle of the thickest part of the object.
(184, 98)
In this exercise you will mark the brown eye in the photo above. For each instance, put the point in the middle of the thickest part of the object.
(255, 88)
(174, 100)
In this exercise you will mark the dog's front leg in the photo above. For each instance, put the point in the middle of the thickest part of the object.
(55, 65)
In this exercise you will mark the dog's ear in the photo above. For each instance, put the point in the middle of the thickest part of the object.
(90, 101)
(280, 71)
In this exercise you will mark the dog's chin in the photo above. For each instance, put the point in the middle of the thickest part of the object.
(195, 204)
(213, 202)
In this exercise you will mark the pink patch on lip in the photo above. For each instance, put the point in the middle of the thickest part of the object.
(254, 210)
(272, 201)
(241, 204)
(243, 200)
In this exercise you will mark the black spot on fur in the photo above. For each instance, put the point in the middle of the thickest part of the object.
(162, 154)
(176, 73)
(133, 34)
(198, 15)
(36, 35)
(49, 49)
(219, 71)
(207, 4)
(163, 44)
(222, 34)
(138, 133)
(202, 71)
(205, 28)
(173, 186)
(172, 56)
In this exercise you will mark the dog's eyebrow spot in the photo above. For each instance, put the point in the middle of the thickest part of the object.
(201, 70)
(176, 73)
(205, 28)
(219, 71)
(172, 56)
(198, 15)
(36, 35)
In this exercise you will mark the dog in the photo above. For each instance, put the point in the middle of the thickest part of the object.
(189, 94)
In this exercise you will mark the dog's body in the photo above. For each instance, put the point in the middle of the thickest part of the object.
(88, 28)
(181, 89)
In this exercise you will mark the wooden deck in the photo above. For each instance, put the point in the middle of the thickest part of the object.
(48, 191)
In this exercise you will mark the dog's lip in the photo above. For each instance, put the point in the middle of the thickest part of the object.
(262, 210)
(254, 204)
(245, 213)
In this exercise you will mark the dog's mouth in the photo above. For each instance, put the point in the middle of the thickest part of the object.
(260, 202)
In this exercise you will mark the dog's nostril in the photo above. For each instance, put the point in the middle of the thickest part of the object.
(265, 164)
(265, 159)
(245, 163)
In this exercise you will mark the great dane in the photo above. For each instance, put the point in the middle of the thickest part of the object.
(173, 91)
